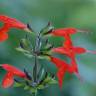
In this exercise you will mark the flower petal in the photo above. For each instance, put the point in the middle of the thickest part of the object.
(79, 50)
(8, 80)
(3, 36)
(62, 66)
(14, 70)
(58, 62)
(63, 31)
(74, 66)
(60, 74)
(12, 22)
(68, 44)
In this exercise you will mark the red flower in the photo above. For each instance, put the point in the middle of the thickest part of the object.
(60, 74)
(64, 32)
(8, 24)
(71, 51)
(62, 66)
(59, 63)
(74, 68)
(9, 77)
(3, 36)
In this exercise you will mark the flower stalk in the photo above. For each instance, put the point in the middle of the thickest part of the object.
(36, 51)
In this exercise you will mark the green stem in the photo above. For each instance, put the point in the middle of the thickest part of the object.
(35, 69)
(34, 94)
(37, 48)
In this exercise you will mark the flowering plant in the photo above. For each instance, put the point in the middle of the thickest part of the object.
(43, 49)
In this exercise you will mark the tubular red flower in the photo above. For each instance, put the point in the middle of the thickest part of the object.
(60, 74)
(11, 72)
(62, 66)
(59, 63)
(74, 66)
(71, 51)
(14, 70)
(79, 50)
(12, 23)
(8, 24)
(64, 31)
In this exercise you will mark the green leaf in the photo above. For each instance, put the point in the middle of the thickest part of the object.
(33, 90)
(49, 80)
(22, 50)
(41, 73)
(40, 87)
(48, 47)
(26, 87)
(44, 57)
(52, 81)
(46, 29)
(25, 52)
(25, 44)
(18, 84)
(28, 55)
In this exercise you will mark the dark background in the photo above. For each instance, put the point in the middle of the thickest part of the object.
(62, 13)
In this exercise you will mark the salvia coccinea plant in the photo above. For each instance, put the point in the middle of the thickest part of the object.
(39, 78)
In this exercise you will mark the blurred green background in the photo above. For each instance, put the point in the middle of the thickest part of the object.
(62, 13)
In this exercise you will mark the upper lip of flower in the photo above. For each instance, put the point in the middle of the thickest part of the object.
(64, 31)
